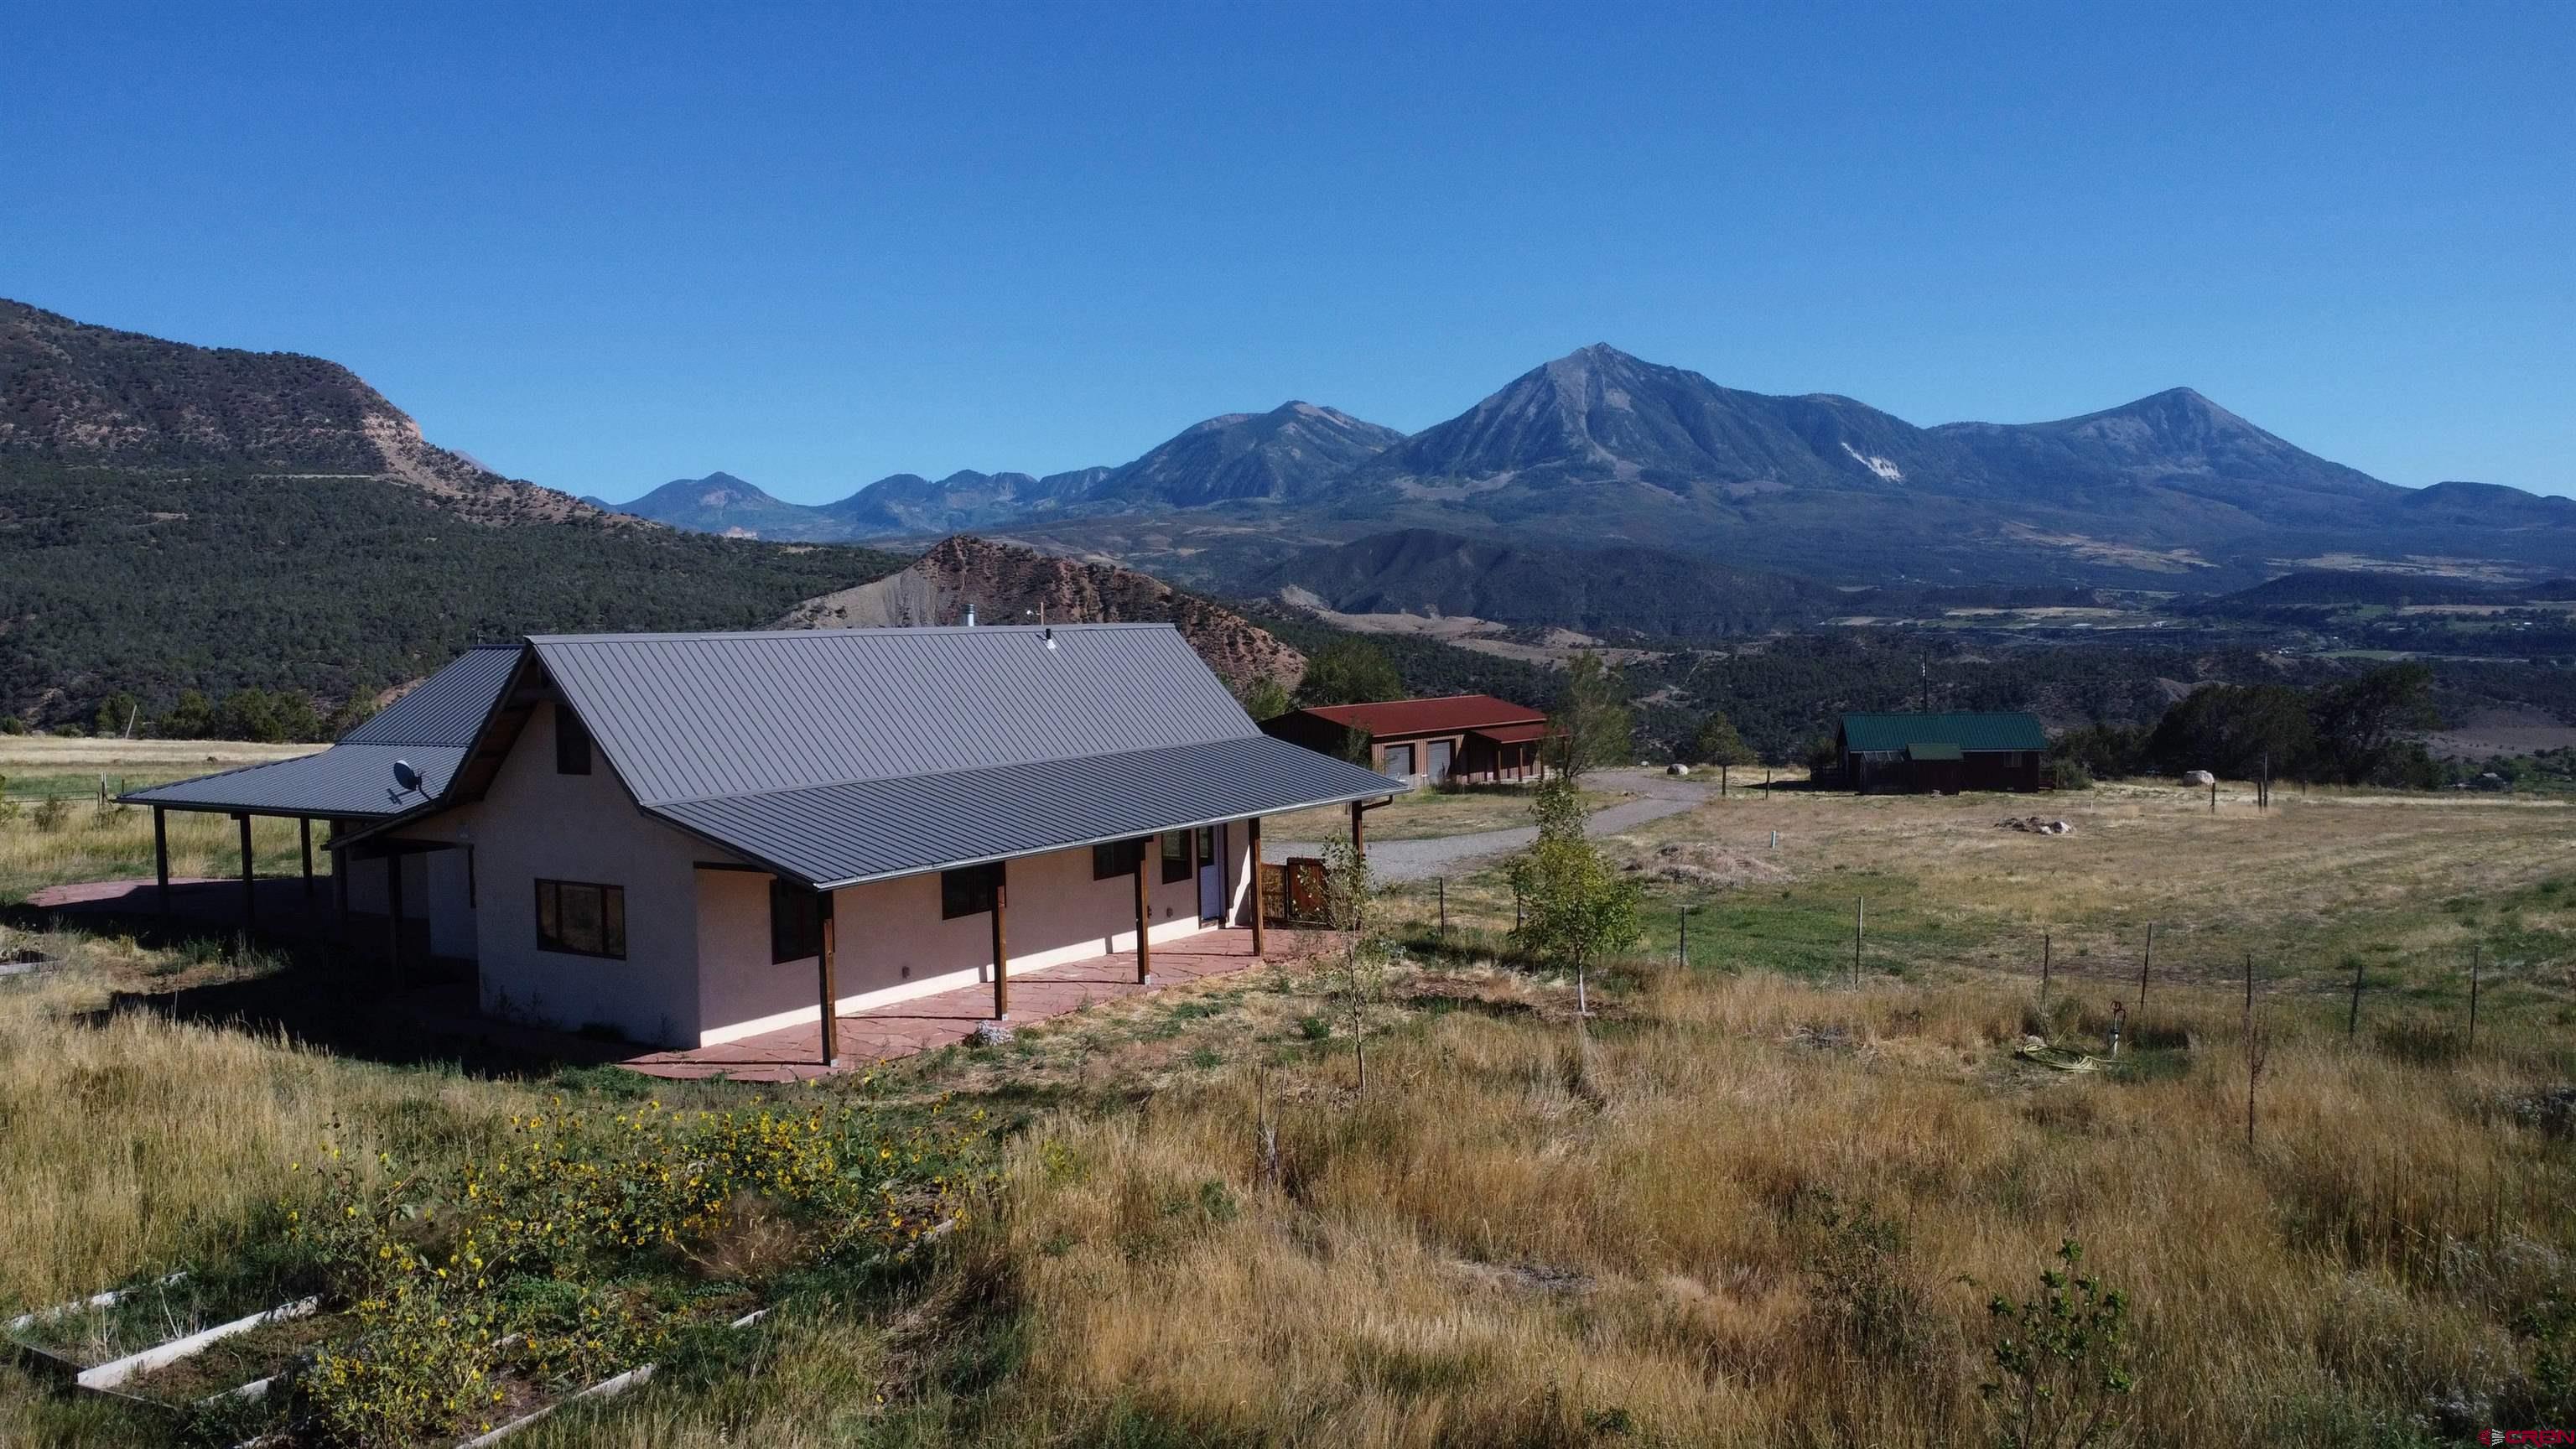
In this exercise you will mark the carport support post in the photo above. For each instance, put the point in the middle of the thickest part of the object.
(1001, 941)
(1144, 918)
(305, 823)
(1252, 828)
(161, 856)
(1359, 836)
(250, 892)
(831, 1015)
(393, 909)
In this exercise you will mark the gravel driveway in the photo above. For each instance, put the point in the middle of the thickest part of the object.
(1658, 795)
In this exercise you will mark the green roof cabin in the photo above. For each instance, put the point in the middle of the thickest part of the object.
(1941, 753)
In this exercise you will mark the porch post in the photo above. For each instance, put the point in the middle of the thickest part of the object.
(161, 856)
(831, 991)
(250, 892)
(1001, 941)
(305, 823)
(1359, 836)
(1252, 827)
(1144, 917)
(393, 909)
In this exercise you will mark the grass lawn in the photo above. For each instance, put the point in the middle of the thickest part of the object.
(1423, 814)
(1747, 1203)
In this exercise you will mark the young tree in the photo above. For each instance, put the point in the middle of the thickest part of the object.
(192, 718)
(1591, 725)
(1349, 671)
(1576, 908)
(1263, 697)
(1717, 743)
(2363, 724)
(118, 713)
(1356, 982)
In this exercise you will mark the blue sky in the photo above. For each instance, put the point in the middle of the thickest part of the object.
(606, 247)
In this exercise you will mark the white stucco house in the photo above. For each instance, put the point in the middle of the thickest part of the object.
(687, 839)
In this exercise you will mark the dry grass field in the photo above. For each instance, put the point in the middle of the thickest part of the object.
(1748, 1202)
(1421, 814)
(80, 841)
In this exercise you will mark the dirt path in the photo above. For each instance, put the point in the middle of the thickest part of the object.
(1658, 795)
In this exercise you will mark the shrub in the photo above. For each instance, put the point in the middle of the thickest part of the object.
(52, 813)
(525, 1264)
(2060, 1359)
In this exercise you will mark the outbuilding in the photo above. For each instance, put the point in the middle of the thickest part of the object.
(1941, 753)
(1466, 737)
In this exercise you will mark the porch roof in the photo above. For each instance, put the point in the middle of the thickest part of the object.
(346, 782)
(862, 830)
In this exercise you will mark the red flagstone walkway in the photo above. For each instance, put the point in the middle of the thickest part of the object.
(928, 1022)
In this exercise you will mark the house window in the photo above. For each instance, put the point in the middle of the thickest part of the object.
(1176, 856)
(795, 922)
(1397, 762)
(1207, 846)
(1114, 858)
(572, 742)
(581, 920)
(967, 891)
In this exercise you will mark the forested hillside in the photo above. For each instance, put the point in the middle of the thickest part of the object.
(331, 587)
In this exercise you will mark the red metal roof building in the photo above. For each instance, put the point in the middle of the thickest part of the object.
(1455, 737)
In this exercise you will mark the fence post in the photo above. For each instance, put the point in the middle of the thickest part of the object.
(1681, 953)
(2352, 1024)
(2473, 998)
(1860, 924)
(2146, 965)
(1444, 910)
(2043, 970)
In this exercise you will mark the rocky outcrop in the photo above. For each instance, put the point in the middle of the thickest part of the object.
(1006, 584)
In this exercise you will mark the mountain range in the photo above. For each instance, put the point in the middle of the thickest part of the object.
(1602, 450)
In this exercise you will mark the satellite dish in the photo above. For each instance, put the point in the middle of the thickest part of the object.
(405, 776)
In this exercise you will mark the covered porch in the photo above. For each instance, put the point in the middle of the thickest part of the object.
(879, 1034)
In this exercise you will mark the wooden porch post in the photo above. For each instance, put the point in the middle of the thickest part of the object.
(1359, 836)
(305, 823)
(1144, 917)
(830, 988)
(1001, 941)
(393, 909)
(250, 892)
(1253, 895)
(161, 856)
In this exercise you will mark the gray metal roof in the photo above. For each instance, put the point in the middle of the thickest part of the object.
(694, 716)
(834, 835)
(432, 726)
(449, 707)
(346, 781)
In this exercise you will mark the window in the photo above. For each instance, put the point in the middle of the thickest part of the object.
(1398, 762)
(1116, 858)
(581, 920)
(572, 742)
(1176, 856)
(1207, 846)
(795, 922)
(967, 890)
